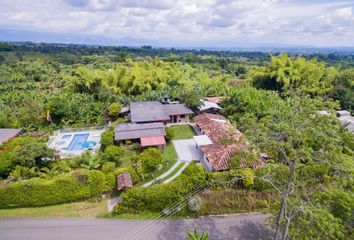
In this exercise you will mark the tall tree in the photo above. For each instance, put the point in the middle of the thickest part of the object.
(294, 77)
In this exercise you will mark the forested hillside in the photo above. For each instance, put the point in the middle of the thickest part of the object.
(274, 99)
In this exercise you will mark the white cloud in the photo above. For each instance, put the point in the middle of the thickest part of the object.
(186, 22)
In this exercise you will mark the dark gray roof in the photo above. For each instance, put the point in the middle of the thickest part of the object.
(8, 133)
(150, 111)
(176, 109)
(127, 131)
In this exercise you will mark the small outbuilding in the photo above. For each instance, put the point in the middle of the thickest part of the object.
(346, 120)
(209, 106)
(124, 181)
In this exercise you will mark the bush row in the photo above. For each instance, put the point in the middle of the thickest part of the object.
(68, 187)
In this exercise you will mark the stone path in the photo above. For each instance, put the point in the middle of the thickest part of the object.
(177, 173)
(112, 202)
(165, 174)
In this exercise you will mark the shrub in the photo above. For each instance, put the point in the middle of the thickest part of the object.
(193, 174)
(68, 187)
(242, 157)
(235, 178)
(108, 167)
(113, 154)
(314, 171)
(170, 133)
(246, 177)
(5, 168)
(111, 181)
(276, 173)
(23, 151)
(150, 159)
(220, 179)
(107, 138)
(30, 154)
(114, 110)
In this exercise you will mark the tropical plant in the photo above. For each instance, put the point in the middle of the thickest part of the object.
(21, 173)
(299, 76)
(91, 163)
(195, 235)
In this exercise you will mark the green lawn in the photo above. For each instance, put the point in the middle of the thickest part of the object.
(183, 131)
(141, 215)
(77, 209)
(125, 159)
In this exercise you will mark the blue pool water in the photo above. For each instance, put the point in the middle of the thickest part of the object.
(77, 142)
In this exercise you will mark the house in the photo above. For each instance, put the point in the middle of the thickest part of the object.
(147, 134)
(343, 113)
(216, 100)
(220, 140)
(155, 111)
(346, 120)
(8, 133)
(124, 181)
(209, 106)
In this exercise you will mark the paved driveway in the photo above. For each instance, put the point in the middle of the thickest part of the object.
(186, 150)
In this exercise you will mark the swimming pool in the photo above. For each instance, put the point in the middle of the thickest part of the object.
(77, 142)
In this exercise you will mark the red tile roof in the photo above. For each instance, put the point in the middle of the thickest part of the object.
(124, 181)
(225, 138)
(152, 141)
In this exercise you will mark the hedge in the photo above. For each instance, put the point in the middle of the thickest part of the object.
(155, 198)
(68, 187)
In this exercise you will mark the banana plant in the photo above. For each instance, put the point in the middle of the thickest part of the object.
(195, 235)
(92, 164)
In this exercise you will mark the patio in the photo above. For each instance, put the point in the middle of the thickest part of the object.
(187, 151)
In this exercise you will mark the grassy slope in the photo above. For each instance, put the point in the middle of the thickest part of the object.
(230, 201)
(77, 209)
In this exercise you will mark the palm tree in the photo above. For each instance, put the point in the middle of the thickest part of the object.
(197, 236)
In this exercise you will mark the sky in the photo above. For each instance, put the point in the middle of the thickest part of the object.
(181, 23)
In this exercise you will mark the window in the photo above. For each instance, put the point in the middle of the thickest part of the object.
(182, 116)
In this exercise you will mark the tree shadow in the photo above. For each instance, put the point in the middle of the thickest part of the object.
(241, 230)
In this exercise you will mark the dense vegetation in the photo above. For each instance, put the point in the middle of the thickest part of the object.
(274, 100)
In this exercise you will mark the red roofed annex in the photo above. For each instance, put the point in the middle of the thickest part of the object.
(225, 139)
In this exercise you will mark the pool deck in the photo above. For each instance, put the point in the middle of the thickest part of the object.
(62, 140)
